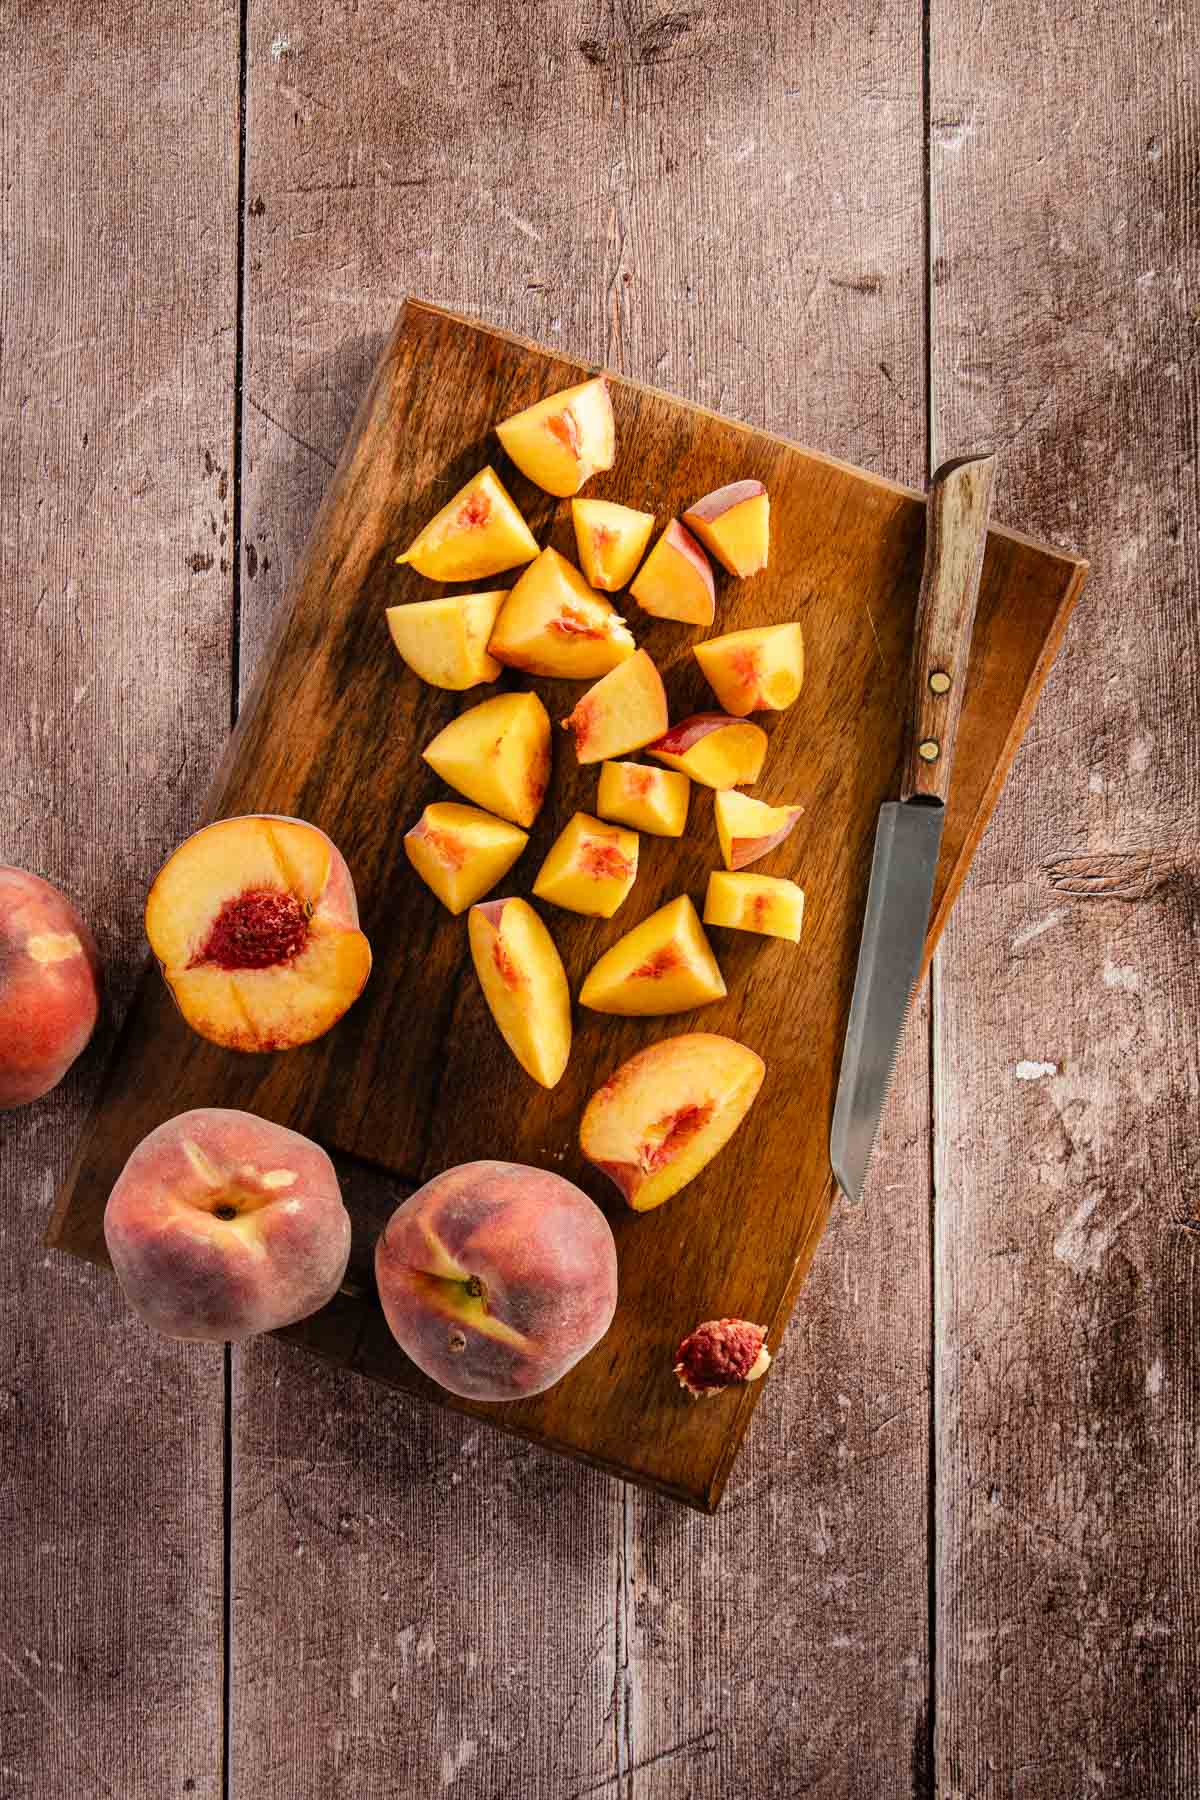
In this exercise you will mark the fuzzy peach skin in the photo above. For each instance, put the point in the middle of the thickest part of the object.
(50, 986)
(496, 1278)
(223, 1224)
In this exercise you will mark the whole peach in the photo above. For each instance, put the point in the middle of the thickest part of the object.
(496, 1278)
(223, 1224)
(50, 986)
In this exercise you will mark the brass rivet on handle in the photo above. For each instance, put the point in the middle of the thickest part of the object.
(929, 751)
(939, 682)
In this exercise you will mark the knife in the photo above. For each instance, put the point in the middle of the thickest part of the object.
(908, 837)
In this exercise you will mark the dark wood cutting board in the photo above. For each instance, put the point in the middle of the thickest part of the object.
(416, 1077)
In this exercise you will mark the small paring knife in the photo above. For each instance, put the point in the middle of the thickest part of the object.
(908, 837)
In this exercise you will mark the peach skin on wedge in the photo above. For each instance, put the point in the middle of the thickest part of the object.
(663, 1116)
(589, 868)
(553, 624)
(758, 670)
(762, 903)
(562, 441)
(734, 523)
(653, 800)
(524, 984)
(664, 965)
(748, 828)
(675, 581)
(460, 852)
(497, 754)
(621, 712)
(445, 641)
(610, 540)
(715, 750)
(477, 534)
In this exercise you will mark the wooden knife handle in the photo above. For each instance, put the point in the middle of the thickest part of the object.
(960, 498)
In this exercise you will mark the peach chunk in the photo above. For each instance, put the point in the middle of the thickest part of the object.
(222, 1224)
(759, 670)
(496, 1278)
(653, 800)
(590, 867)
(762, 903)
(461, 852)
(748, 828)
(610, 540)
(562, 441)
(716, 751)
(445, 641)
(664, 965)
(497, 754)
(50, 986)
(675, 581)
(254, 923)
(623, 711)
(553, 624)
(734, 522)
(524, 984)
(665, 1113)
(477, 534)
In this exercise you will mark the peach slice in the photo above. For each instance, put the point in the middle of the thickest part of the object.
(716, 751)
(255, 926)
(590, 867)
(621, 712)
(50, 986)
(560, 442)
(675, 581)
(664, 965)
(653, 800)
(497, 754)
(445, 641)
(749, 828)
(554, 624)
(762, 903)
(477, 534)
(665, 1113)
(524, 984)
(734, 522)
(461, 852)
(759, 670)
(610, 539)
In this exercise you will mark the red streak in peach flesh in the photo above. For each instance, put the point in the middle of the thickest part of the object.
(744, 664)
(510, 975)
(638, 782)
(661, 963)
(603, 862)
(563, 427)
(475, 511)
(681, 1126)
(260, 929)
(446, 847)
(758, 907)
(582, 721)
(572, 623)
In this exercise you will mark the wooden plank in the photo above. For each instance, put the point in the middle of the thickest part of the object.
(1173, 1383)
(118, 134)
(1067, 1086)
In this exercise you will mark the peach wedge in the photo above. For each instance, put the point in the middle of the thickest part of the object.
(759, 670)
(664, 965)
(589, 868)
(734, 523)
(675, 581)
(622, 712)
(761, 903)
(524, 984)
(477, 534)
(445, 641)
(562, 441)
(653, 800)
(460, 852)
(497, 754)
(610, 540)
(554, 624)
(716, 751)
(663, 1116)
(748, 829)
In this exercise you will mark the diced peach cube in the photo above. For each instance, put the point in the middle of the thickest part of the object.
(610, 539)
(620, 713)
(653, 800)
(461, 853)
(758, 670)
(748, 828)
(734, 523)
(664, 965)
(477, 533)
(445, 641)
(554, 624)
(589, 868)
(562, 441)
(761, 903)
(675, 581)
(497, 754)
(713, 749)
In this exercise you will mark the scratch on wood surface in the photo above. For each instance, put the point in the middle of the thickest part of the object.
(1113, 874)
(57, 1715)
(1035, 930)
(300, 442)
(1084, 1241)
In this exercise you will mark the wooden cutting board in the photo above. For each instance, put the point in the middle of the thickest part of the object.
(416, 1078)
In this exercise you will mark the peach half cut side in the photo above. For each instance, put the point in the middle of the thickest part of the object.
(524, 984)
(445, 641)
(651, 800)
(713, 749)
(664, 965)
(622, 712)
(589, 868)
(478, 533)
(664, 1114)
(254, 923)
(734, 522)
(610, 540)
(675, 581)
(562, 441)
(749, 828)
(498, 755)
(460, 852)
(765, 904)
(554, 624)
(758, 670)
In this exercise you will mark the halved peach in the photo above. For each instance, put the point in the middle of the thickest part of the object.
(610, 539)
(621, 712)
(759, 670)
(524, 984)
(762, 903)
(734, 523)
(665, 1113)
(477, 534)
(749, 828)
(255, 926)
(554, 624)
(653, 800)
(675, 581)
(589, 868)
(715, 750)
(664, 965)
(497, 754)
(461, 852)
(562, 441)
(445, 641)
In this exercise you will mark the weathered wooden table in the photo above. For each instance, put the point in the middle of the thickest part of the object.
(961, 1552)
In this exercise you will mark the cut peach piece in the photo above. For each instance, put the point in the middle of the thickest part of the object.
(665, 1113)
(716, 751)
(734, 522)
(610, 539)
(477, 534)
(497, 754)
(664, 965)
(653, 800)
(562, 441)
(675, 581)
(445, 641)
(524, 984)
(554, 624)
(749, 828)
(255, 926)
(590, 867)
(759, 670)
(461, 852)
(620, 713)
(762, 903)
